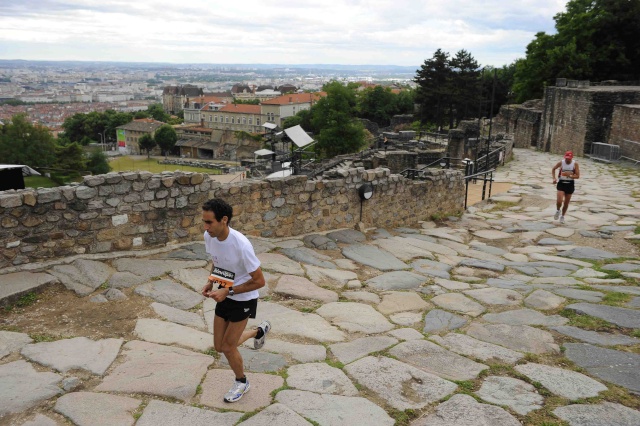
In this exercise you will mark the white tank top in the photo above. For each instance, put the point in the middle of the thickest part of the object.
(571, 167)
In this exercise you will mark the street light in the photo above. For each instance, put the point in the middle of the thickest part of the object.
(103, 139)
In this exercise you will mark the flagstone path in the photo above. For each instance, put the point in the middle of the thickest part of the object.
(502, 316)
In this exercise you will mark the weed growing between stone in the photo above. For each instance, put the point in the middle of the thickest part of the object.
(616, 299)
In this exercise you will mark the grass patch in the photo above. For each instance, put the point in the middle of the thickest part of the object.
(335, 364)
(43, 337)
(637, 230)
(211, 352)
(503, 205)
(281, 388)
(587, 322)
(616, 299)
(611, 274)
(39, 182)
(313, 422)
(466, 386)
(403, 418)
(26, 300)
(124, 163)
(636, 333)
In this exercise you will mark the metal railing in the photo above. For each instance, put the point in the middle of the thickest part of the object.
(605, 152)
(495, 158)
(474, 177)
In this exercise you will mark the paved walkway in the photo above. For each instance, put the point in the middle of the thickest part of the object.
(501, 317)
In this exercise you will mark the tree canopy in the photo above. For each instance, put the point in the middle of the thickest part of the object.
(379, 104)
(87, 128)
(595, 40)
(166, 138)
(447, 87)
(146, 143)
(24, 143)
(334, 115)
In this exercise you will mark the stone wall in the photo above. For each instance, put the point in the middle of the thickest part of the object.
(133, 211)
(625, 130)
(520, 121)
(573, 118)
(395, 161)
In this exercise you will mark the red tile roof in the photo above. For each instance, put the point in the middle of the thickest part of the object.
(241, 109)
(295, 98)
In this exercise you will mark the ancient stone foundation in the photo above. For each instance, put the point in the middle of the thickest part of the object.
(134, 211)
(574, 118)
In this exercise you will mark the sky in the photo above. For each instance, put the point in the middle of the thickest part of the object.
(356, 32)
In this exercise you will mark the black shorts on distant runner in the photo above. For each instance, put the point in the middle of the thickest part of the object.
(235, 311)
(566, 186)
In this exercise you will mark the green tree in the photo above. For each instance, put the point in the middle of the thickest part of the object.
(302, 118)
(377, 104)
(98, 163)
(24, 143)
(464, 86)
(146, 143)
(405, 102)
(70, 162)
(503, 91)
(166, 138)
(74, 127)
(334, 117)
(594, 39)
(434, 88)
(156, 111)
(141, 114)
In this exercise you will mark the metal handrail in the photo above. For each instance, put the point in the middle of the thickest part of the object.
(482, 159)
(475, 177)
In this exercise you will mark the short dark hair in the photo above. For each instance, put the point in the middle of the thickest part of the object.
(220, 208)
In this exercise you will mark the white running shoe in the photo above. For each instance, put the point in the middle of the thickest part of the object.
(265, 326)
(557, 215)
(561, 219)
(237, 391)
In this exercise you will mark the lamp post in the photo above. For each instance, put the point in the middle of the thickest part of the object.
(103, 139)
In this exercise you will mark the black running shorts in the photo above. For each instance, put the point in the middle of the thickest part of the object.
(566, 186)
(235, 311)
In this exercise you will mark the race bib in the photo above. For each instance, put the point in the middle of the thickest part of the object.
(222, 278)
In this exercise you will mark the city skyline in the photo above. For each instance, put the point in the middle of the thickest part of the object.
(404, 32)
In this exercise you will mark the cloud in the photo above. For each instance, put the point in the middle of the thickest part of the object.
(402, 32)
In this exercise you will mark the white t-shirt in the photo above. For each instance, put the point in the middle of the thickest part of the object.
(570, 167)
(235, 255)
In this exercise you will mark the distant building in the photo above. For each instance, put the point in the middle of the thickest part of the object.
(175, 97)
(277, 109)
(128, 134)
(233, 117)
(195, 141)
(287, 88)
(192, 109)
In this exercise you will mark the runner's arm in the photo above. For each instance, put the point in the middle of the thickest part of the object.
(553, 171)
(576, 172)
(257, 281)
(209, 285)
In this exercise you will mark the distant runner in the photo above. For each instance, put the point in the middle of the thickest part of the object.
(569, 171)
(237, 275)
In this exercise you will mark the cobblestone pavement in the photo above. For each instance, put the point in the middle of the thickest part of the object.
(502, 316)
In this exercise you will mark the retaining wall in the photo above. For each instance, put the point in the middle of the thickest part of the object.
(625, 130)
(573, 118)
(135, 211)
